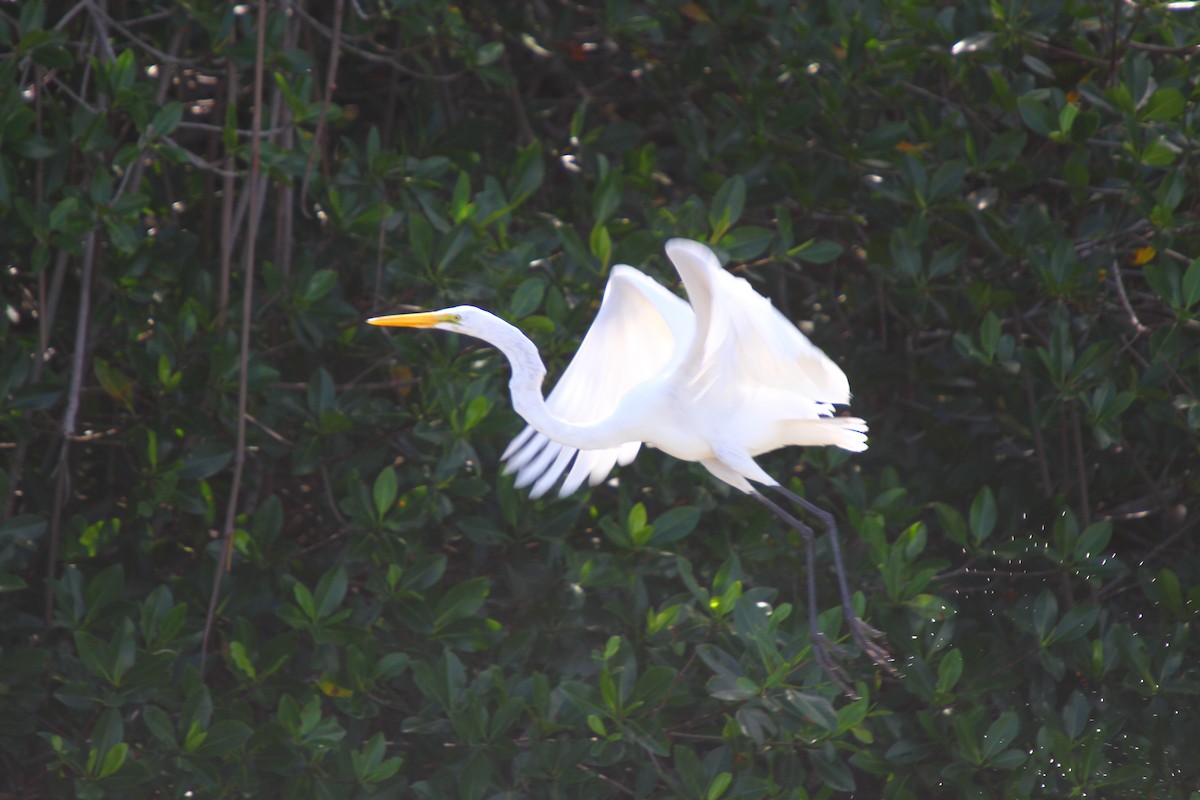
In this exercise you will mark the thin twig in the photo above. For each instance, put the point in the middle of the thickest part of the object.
(1081, 465)
(199, 163)
(1039, 444)
(607, 780)
(367, 55)
(227, 199)
(1119, 282)
(209, 127)
(285, 206)
(335, 46)
(61, 491)
(239, 454)
(164, 57)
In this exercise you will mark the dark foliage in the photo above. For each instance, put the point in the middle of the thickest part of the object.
(987, 210)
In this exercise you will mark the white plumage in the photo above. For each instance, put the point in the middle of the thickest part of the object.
(719, 381)
(733, 371)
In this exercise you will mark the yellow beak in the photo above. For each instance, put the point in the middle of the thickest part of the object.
(427, 319)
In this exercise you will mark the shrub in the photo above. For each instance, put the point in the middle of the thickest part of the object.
(252, 547)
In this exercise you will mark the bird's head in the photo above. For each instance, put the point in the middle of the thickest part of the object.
(461, 319)
(472, 321)
(467, 320)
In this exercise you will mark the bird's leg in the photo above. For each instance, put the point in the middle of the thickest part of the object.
(821, 644)
(863, 634)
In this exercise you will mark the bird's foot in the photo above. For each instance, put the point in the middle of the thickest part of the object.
(829, 655)
(867, 638)
(826, 653)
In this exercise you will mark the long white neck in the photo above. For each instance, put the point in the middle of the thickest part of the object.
(525, 386)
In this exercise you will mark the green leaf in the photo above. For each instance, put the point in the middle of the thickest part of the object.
(952, 523)
(61, 214)
(947, 179)
(1040, 118)
(1093, 541)
(814, 708)
(989, 334)
(1075, 624)
(12, 583)
(159, 725)
(1166, 103)
(167, 118)
(596, 725)
(462, 600)
(304, 599)
(223, 737)
(747, 241)
(420, 239)
(115, 383)
(95, 654)
(573, 245)
(122, 71)
(718, 786)
(527, 297)
(1009, 759)
(950, 670)
(528, 173)
(22, 529)
(674, 524)
(461, 206)
(107, 734)
(505, 717)
(383, 492)
(489, 54)
(1190, 285)
(636, 521)
(653, 684)
(1066, 120)
(331, 589)
(423, 573)
(600, 243)
(817, 251)
(832, 771)
(1169, 591)
(1075, 714)
(241, 659)
(206, 460)
(475, 776)
(983, 515)
(727, 206)
(114, 759)
(104, 589)
(606, 199)
(320, 284)
(1158, 153)
(1045, 611)
(999, 734)
(906, 259)
(477, 409)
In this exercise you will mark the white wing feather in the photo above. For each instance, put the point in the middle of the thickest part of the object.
(640, 330)
(742, 340)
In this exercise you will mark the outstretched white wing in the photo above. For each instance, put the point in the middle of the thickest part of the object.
(743, 341)
(641, 328)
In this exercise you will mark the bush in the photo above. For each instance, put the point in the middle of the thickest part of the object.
(253, 547)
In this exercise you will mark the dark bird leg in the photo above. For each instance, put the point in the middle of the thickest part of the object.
(822, 647)
(863, 634)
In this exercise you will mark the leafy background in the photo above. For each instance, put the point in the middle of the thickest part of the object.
(252, 547)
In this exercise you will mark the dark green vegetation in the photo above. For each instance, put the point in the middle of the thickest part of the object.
(988, 211)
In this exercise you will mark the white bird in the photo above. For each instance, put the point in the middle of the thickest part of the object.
(718, 381)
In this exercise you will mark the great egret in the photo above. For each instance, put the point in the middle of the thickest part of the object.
(718, 381)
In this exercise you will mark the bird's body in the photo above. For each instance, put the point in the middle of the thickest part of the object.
(718, 381)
